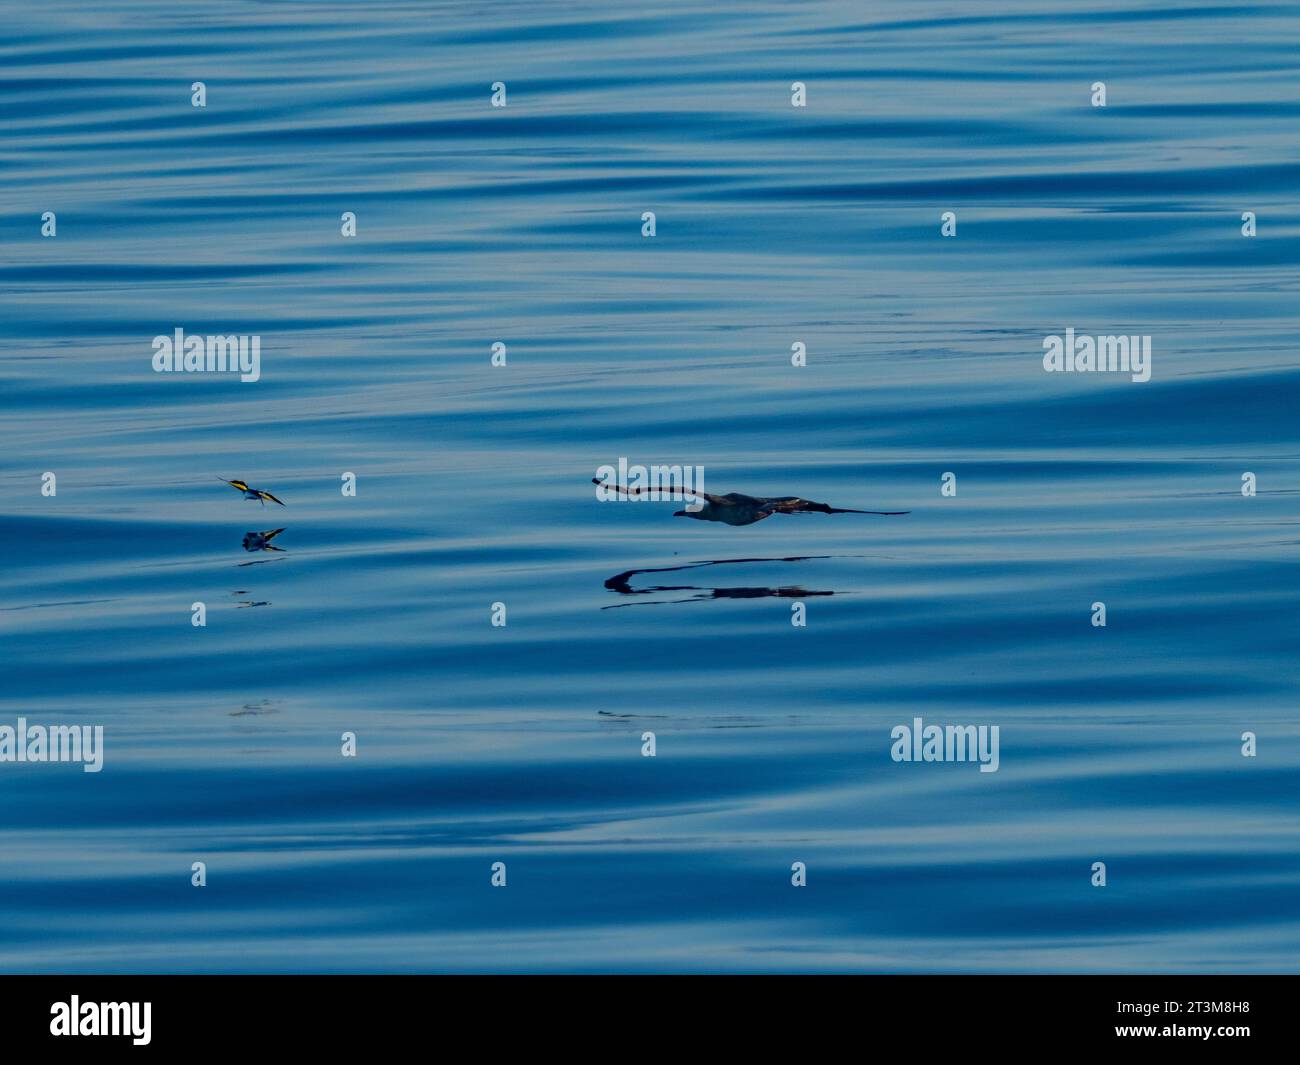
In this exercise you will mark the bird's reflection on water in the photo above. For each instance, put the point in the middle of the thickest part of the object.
(622, 583)
(261, 541)
(257, 709)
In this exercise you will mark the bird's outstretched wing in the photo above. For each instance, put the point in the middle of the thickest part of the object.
(267, 495)
(795, 505)
(719, 500)
(234, 484)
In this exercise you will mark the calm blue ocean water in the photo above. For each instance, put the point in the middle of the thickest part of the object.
(522, 744)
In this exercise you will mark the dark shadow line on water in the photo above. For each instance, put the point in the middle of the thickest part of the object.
(621, 583)
(258, 562)
(66, 602)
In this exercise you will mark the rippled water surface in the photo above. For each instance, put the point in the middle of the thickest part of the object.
(522, 744)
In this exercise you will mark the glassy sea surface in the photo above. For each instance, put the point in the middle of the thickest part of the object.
(521, 744)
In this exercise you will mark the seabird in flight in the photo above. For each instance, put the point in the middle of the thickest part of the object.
(251, 493)
(737, 509)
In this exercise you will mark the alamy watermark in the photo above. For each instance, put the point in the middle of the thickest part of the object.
(102, 1018)
(654, 483)
(53, 743)
(946, 743)
(194, 353)
(1114, 354)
